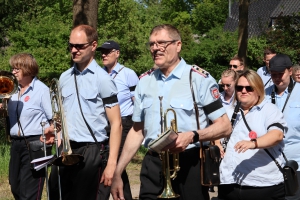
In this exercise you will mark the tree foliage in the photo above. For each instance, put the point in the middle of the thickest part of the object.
(42, 28)
(284, 37)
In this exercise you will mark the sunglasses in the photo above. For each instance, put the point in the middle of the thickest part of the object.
(78, 46)
(239, 88)
(232, 66)
(223, 85)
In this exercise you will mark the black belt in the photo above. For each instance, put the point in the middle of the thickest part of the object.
(75, 145)
(30, 137)
(191, 150)
(129, 117)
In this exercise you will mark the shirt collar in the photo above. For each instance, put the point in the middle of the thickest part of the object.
(115, 70)
(31, 85)
(90, 68)
(178, 70)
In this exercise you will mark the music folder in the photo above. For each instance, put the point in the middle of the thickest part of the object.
(163, 140)
(40, 163)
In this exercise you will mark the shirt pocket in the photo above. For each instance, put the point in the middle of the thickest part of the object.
(294, 114)
(146, 105)
(90, 100)
(67, 98)
(182, 107)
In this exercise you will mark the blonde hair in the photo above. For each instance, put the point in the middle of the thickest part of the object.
(255, 82)
(230, 73)
(26, 62)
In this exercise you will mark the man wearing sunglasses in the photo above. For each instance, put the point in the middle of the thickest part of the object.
(236, 63)
(89, 99)
(285, 94)
(164, 88)
(264, 72)
(126, 80)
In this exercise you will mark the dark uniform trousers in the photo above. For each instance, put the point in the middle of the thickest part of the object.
(80, 181)
(26, 183)
(237, 192)
(127, 123)
(187, 183)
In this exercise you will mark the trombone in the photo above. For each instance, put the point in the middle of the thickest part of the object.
(168, 191)
(66, 158)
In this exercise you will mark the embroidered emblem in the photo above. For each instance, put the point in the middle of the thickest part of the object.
(200, 71)
(147, 73)
(26, 98)
(215, 92)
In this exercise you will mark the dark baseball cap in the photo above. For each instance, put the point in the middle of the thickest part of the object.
(110, 44)
(280, 62)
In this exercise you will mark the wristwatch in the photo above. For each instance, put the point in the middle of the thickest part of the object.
(255, 143)
(196, 137)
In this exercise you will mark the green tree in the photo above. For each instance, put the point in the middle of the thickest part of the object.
(284, 37)
(208, 14)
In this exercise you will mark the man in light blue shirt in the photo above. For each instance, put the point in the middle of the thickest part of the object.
(126, 80)
(285, 94)
(164, 88)
(264, 72)
(89, 99)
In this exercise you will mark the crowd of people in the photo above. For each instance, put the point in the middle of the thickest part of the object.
(110, 112)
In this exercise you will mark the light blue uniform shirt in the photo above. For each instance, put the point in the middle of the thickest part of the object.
(292, 115)
(124, 79)
(176, 93)
(224, 102)
(34, 107)
(253, 167)
(94, 84)
(265, 76)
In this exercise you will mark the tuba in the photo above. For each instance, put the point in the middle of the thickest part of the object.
(8, 86)
(168, 190)
(66, 157)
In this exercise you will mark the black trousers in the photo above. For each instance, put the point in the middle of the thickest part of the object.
(127, 123)
(80, 181)
(237, 192)
(187, 183)
(26, 183)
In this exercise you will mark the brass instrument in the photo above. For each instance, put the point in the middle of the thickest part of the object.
(66, 158)
(8, 86)
(168, 190)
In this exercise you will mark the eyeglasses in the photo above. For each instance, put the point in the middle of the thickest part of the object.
(15, 69)
(78, 46)
(159, 44)
(223, 85)
(107, 52)
(240, 88)
(232, 66)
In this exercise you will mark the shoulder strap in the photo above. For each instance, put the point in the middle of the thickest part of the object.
(267, 151)
(92, 134)
(118, 72)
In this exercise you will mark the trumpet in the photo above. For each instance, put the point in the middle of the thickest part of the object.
(8, 86)
(66, 158)
(168, 191)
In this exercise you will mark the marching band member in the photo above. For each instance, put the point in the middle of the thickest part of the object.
(247, 172)
(27, 108)
(169, 85)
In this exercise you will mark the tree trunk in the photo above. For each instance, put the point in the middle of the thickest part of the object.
(243, 30)
(85, 12)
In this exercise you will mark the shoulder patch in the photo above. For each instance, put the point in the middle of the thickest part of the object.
(215, 92)
(200, 71)
(147, 73)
